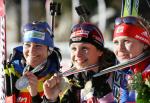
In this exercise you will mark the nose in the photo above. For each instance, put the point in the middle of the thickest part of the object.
(78, 53)
(32, 49)
(121, 47)
(81, 52)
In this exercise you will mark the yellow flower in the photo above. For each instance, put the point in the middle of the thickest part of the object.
(147, 82)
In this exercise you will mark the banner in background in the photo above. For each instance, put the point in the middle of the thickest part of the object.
(2, 50)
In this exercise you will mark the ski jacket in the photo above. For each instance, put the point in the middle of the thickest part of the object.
(14, 70)
(121, 83)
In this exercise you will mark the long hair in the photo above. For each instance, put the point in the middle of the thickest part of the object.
(107, 59)
(55, 58)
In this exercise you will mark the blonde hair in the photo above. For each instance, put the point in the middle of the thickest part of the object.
(145, 24)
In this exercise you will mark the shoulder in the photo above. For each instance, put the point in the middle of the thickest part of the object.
(16, 59)
(147, 69)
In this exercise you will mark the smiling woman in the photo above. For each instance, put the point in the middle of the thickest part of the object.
(39, 61)
(88, 57)
(34, 53)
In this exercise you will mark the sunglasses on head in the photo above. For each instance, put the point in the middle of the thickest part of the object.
(127, 20)
(130, 20)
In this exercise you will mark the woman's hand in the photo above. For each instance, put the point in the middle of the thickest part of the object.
(52, 87)
(33, 83)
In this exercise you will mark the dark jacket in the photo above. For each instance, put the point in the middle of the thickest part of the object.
(99, 87)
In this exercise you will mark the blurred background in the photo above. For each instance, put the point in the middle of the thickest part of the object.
(101, 13)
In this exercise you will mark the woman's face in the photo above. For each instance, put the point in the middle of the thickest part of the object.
(84, 54)
(126, 48)
(34, 53)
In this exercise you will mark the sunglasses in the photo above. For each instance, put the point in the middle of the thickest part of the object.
(127, 20)
(130, 20)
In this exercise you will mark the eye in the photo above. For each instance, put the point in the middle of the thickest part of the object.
(73, 49)
(27, 44)
(115, 42)
(38, 45)
(85, 50)
(127, 41)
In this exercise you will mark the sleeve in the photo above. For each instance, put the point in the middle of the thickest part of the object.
(11, 77)
(45, 100)
(36, 99)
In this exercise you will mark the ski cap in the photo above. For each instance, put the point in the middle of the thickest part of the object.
(38, 32)
(87, 32)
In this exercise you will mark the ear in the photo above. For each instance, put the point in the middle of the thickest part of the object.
(49, 52)
(100, 53)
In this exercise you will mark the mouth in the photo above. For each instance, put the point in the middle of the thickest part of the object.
(123, 56)
(33, 58)
(80, 63)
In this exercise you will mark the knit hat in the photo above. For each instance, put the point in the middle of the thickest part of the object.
(88, 33)
(38, 32)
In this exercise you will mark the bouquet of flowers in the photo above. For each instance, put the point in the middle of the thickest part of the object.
(141, 83)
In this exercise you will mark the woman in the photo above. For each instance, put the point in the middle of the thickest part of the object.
(41, 59)
(87, 49)
(131, 38)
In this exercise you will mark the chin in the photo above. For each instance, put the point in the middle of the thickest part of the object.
(79, 66)
(32, 64)
(123, 60)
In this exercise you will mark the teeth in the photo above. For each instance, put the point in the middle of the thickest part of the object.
(79, 61)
